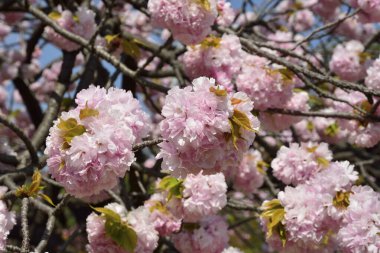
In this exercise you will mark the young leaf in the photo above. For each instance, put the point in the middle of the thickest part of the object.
(211, 41)
(55, 15)
(204, 3)
(235, 132)
(332, 130)
(342, 200)
(36, 183)
(236, 101)
(111, 38)
(47, 198)
(131, 49)
(323, 162)
(242, 120)
(70, 129)
(172, 185)
(119, 231)
(274, 213)
(88, 112)
(218, 92)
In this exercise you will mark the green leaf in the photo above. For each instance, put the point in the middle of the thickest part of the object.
(32, 189)
(108, 213)
(235, 132)
(211, 41)
(204, 3)
(332, 130)
(342, 200)
(323, 162)
(55, 15)
(131, 48)
(120, 232)
(218, 92)
(242, 120)
(172, 185)
(88, 112)
(111, 38)
(261, 167)
(159, 206)
(310, 126)
(274, 213)
(70, 129)
(47, 198)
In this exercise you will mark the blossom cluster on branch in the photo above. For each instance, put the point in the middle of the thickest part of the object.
(193, 126)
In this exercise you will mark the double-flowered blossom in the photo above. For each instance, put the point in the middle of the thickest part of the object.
(101, 242)
(210, 237)
(226, 14)
(369, 10)
(362, 134)
(324, 8)
(205, 128)
(306, 217)
(353, 29)
(349, 61)
(203, 196)
(164, 221)
(90, 147)
(361, 222)
(189, 199)
(372, 79)
(267, 86)
(298, 163)
(82, 23)
(249, 175)
(189, 21)
(302, 20)
(7, 220)
(219, 58)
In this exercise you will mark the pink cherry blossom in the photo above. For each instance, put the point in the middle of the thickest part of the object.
(203, 196)
(211, 237)
(347, 61)
(189, 21)
(82, 23)
(7, 220)
(138, 219)
(249, 176)
(195, 127)
(220, 58)
(101, 152)
(299, 163)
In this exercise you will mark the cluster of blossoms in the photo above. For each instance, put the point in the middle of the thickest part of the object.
(369, 10)
(248, 177)
(211, 236)
(349, 61)
(81, 23)
(190, 21)
(219, 58)
(299, 163)
(361, 134)
(197, 121)
(208, 127)
(90, 147)
(7, 220)
(138, 220)
(325, 213)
